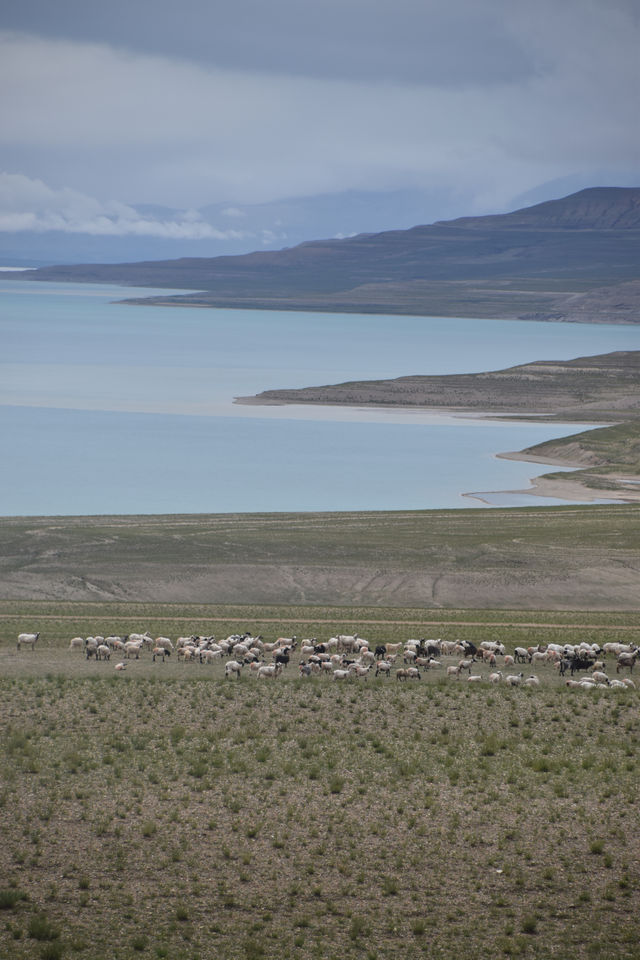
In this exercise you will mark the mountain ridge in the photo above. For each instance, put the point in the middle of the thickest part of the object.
(537, 262)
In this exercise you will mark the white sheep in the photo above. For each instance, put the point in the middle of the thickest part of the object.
(383, 666)
(268, 670)
(232, 667)
(514, 679)
(27, 640)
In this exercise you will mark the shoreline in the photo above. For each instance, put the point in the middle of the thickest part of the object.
(569, 489)
(541, 486)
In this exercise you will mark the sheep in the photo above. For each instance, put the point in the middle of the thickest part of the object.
(160, 652)
(116, 643)
(232, 667)
(76, 643)
(383, 666)
(341, 674)
(305, 669)
(164, 643)
(208, 656)
(121, 666)
(103, 652)
(538, 657)
(601, 677)
(532, 682)
(474, 678)
(131, 648)
(268, 670)
(359, 670)
(522, 655)
(346, 644)
(495, 677)
(488, 656)
(452, 671)
(626, 659)
(90, 647)
(514, 679)
(509, 660)
(27, 640)
(464, 665)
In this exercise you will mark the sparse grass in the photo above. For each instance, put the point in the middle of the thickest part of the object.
(371, 818)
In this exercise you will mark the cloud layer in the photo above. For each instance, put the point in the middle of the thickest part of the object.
(30, 205)
(257, 104)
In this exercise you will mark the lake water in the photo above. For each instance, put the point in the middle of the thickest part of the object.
(112, 408)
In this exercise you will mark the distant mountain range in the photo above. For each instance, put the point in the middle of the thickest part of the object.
(573, 259)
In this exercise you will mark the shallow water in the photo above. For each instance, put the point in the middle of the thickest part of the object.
(112, 408)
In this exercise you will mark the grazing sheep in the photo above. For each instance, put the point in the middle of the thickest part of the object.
(164, 643)
(77, 643)
(208, 656)
(508, 660)
(160, 652)
(495, 677)
(383, 666)
(514, 679)
(464, 665)
(341, 674)
(359, 670)
(27, 640)
(103, 652)
(268, 670)
(626, 660)
(232, 667)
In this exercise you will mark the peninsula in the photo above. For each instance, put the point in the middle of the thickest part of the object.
(604, 388)
(575, 259)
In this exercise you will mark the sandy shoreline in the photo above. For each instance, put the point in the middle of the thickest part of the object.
(563, 489)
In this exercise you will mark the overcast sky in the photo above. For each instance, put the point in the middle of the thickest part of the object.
(196, 102)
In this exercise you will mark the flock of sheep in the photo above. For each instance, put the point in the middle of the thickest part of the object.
(349, 656)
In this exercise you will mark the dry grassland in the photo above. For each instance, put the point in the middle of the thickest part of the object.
(166, 812)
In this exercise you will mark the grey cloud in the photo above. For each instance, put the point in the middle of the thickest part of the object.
(112, 121)
(457, 42)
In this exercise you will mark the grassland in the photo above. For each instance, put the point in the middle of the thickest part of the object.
(166, 812)
(521, 558)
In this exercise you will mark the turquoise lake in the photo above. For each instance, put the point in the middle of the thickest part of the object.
(112, 408)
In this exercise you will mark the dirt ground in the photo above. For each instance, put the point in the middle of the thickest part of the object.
(568, 558)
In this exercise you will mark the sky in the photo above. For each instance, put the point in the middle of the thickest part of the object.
(109, 106)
